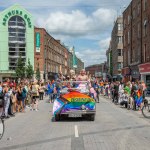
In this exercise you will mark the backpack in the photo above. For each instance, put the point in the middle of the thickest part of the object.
(1, 99)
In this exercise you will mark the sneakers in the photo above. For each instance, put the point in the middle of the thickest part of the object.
(36, 110)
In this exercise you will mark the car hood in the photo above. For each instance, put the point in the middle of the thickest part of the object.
(73, 101)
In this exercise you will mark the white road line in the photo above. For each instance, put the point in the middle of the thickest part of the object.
(76, 131)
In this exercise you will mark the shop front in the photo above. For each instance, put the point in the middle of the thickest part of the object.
(135, 74)
(145, 73)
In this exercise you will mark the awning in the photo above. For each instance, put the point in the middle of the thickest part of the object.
(144, 68)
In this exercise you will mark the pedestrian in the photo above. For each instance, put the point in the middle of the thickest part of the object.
(50, 91)
(41, 91)
(19, 98)
(7, 94)
(24, 95)
(35, 95)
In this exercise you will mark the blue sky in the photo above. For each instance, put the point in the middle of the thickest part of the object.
(84, 24)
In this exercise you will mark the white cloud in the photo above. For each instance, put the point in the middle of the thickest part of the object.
(77, 23)
(95, 56)
(91, 56)
(104, 44)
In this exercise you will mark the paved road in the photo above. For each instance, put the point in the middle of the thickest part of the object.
(115, 128)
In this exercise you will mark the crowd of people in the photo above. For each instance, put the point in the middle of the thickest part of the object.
(128, 94)
(16, 97)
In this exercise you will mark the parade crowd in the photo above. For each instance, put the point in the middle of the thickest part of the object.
(128, 94)
(17, 97)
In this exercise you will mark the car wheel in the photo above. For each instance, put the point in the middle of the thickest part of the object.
(57, 118)
(92, 117)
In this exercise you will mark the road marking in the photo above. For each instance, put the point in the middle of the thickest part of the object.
(76, 131)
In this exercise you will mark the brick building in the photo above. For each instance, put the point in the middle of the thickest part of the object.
(95, 70)
(144, 67)
(117, 47)
(50, 55)
(132, 40)
(136, 41)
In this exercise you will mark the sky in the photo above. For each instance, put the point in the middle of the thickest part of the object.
(84, 24)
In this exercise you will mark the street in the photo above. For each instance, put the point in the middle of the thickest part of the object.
(115, 128)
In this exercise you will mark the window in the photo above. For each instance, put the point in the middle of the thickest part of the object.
(129, 57)
(128, 37)
(120, 26)
(128, 19)
(145, 4)
(119, 65)
(139, 9)
(138, 30)
(120, 39)
(124, 23)
(119, 52)
(17, 39)
(134, 14)
(145, 27)
(144, 53)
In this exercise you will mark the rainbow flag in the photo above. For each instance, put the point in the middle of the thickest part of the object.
(139, 98)
(73, 101)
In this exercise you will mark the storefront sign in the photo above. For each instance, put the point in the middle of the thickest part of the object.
(144, 68)
(37, 42)
(20, 13)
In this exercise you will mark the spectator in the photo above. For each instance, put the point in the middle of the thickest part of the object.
(35, 95)
(7, 94)
(41, 91)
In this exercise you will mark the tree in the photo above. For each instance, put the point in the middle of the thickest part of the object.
(20, 68)
(38, 76)
(29, 70)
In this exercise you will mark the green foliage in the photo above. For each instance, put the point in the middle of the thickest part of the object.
(29, 70)
(38, 76)
(20, 68)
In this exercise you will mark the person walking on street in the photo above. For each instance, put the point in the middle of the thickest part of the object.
(50, 91)
(41, 91)
(35, 95)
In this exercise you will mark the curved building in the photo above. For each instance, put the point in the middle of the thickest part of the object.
(16, 37)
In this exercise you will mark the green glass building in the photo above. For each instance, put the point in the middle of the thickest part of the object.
(16, 37)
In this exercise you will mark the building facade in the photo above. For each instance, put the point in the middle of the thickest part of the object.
(109, 66)
(117, 48)
(95, 70)
(50, 55)
(144, 67)
(132, 40)
(17, 39)
(136, 41)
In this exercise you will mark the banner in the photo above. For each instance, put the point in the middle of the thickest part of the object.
(37, 42)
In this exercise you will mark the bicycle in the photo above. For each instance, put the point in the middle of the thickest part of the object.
(2, 127)
(146, 109)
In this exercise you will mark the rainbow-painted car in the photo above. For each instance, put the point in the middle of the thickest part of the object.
(74, 101)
